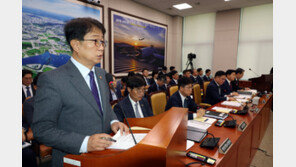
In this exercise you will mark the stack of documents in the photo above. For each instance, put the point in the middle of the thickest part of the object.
(248, 92)
(206, 120)
(199, 126)
(125, 142)
(243, 97)
(222, 109)
(231, 103)
(242, 100)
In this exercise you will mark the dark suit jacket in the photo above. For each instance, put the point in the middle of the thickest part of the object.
(126, 105)
(153, 88)
(28, 108)
(212, 95)
(227, 89)
(200, 81)
(172, 83)
(235, 85)
(23, 93)
(146, 79)
(117, 92)
(206, 78)
(152, 81)
(194, 80)
(176, 101)
(65, 110)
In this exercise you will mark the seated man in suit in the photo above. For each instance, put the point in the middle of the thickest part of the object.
(187, 73)
(145, 74)
(27, 88)
(194, 76)
(167, 80)
(235, 83)
(182, 98)
(227, 87)
(175, 77)
(115, 93)
(158, 85)
(199, 77)
(163, 70)
(154, 77)
(135, 105)
(214, 92)
(207, 76)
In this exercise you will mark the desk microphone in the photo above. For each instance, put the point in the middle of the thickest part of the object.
(108, 76)
(254, 72)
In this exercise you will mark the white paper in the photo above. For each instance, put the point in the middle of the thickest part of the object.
(222, 109)
(189, 144)
(242, 100)
(231, 103)
(197, 124)
(243, 97)
(125, 142)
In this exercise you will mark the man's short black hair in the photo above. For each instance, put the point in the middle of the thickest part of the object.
(161, 78)
(239, 71)
(135, 82)
(185, 71)
(25, 72)
(219, 73)
(199, 69)
(124, 79)
(35, 80)
(144, 69)
(229, 72)
(207, 70)
(172, 68)
(77, 28)
(168, 75)
(164, 68)
(130, 74)
(173, 73)
(183, 81)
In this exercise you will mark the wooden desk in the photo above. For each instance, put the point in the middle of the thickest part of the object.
(244, 144)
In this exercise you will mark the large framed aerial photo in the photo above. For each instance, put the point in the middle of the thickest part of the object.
(44, 46)
(136, 43)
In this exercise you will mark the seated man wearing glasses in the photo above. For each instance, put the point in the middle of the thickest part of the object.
(135, 105)
(182, 98)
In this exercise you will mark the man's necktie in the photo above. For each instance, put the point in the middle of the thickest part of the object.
(94, 90)
(137, 111)
(185, 103)
(28, 91)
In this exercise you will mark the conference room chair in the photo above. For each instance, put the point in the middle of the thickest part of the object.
(158, 101)
(172, 90)
(205, 88)
(197, 96)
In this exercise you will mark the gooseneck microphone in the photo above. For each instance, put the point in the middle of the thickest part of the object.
(109, 79)
(254, 72)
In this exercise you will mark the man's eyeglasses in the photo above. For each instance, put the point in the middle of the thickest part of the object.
(97, 42)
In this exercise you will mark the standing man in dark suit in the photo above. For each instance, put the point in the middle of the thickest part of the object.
(27, 88)
(199, 77)
(158, 85)
(72, 110)
(135, 105)
(182, 98)
(227, 87)
(215, 92)
(207, 76)
(235, 83)
(175, 77)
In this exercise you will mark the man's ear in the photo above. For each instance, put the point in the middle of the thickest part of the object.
(129, 90)
(75, 44)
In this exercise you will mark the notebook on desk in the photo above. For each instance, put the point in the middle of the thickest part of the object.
(216, 115)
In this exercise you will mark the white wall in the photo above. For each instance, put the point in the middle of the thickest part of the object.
(255, 49)
(174, 37)
(198, 38)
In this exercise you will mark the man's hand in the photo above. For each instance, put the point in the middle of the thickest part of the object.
(247, 89)
(119, 126)
(23, 135)
(95, 143)
(231, 99)
(200, 113)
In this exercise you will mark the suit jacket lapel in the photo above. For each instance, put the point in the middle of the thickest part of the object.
(180, 103)
(130, 109)
(79, 83)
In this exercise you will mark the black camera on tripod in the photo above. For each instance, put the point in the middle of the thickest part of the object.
(191, 56)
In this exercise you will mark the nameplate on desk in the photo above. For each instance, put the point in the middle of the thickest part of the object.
(242, 126)
(225, 146)
(72, 161)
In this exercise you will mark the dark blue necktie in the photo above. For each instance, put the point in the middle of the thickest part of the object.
(28, 91)
(94, 90)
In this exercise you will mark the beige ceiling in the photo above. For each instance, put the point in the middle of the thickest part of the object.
(199, 6)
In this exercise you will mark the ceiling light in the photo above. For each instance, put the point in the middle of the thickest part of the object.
(182, 6)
